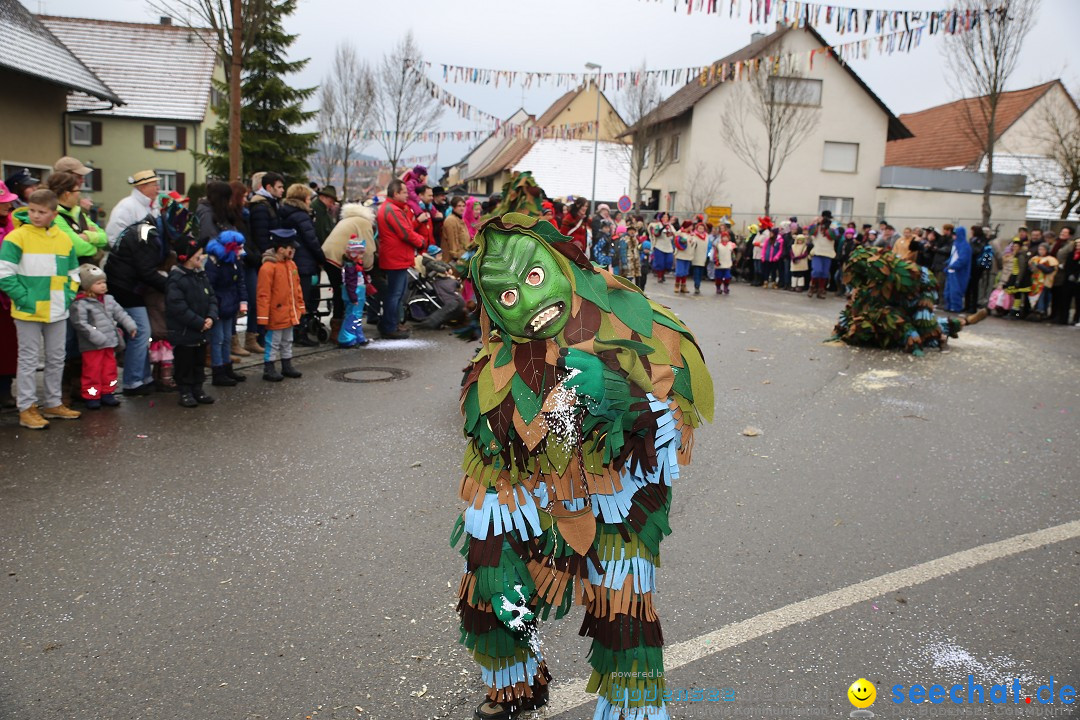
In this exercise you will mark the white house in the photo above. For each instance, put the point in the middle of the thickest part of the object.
(836, 167)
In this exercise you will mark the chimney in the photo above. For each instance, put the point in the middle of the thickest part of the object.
(165, 20)
(754, 37)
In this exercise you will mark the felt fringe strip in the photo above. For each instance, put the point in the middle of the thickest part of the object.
(605, 710)
(644, 661)
(628, 599)
(512, 696)
(622, 633)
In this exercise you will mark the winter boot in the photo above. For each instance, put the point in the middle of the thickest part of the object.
(187, 398)
(251, 344)
(288, 370)
(335, 328)
(31, 419)
(270, 372)
(237, 377)
(237, 349)
(221, 377)
(201, 397)
(167, 383)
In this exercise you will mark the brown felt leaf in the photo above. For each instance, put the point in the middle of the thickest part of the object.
(530, 359)
(501, 375)
(501, 419)
(530, 433)
(583, 326)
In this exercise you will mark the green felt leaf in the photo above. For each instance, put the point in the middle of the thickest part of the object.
(633, 310)
(486, 393)
(699, 379)
(471, 407)
(682, 384)
(632, 345)
(528, 403)
(587, 287)
(505, 354)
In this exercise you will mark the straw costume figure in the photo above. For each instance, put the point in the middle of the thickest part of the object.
(579, 409)
(892, 305)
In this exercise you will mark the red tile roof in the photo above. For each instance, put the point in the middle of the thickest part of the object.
(943, 137)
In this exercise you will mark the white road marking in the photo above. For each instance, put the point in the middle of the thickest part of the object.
(569, 694)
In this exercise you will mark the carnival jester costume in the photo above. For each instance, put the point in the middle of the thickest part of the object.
(892, 305)
(579, 409)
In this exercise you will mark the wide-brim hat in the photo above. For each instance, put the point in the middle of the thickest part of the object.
(72, 165)
(6, 195)
(143, 177)
(328, 191)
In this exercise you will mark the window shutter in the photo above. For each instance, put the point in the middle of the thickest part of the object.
(180, 185)
(148, 136)
(95, 132)
(95, 179)
(181, 138)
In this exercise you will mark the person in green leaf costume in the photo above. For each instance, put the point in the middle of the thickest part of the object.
(892, 305)
(579, 409)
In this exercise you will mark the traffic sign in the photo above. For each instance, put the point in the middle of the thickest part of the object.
(625, 204)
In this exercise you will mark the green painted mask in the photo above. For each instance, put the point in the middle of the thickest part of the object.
(523, 286)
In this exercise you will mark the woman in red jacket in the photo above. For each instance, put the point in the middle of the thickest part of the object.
(574, 225)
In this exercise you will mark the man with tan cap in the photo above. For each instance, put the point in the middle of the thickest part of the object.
(135, 206)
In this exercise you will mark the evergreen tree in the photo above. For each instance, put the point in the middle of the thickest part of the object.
(271, 107)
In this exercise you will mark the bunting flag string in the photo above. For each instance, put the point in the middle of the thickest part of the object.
(842, 19)
(898, 31)
(426, 160)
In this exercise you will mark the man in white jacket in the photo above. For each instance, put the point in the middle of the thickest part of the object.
(135, 206)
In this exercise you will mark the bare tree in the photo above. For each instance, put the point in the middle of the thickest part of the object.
(233, 25)
(324, 162)
(403, 103)
(1058, 178)
(703, 184)
(635, 105)
(767, 118)
(980, 62)
(346, 99)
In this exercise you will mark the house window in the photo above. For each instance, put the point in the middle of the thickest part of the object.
(658, 152)
(671, 201)
(645, 157)
(841, 157)
(168, 180)
(675, 148)
(164, 137)
(795, 91)
(82, 132)
(840, 207)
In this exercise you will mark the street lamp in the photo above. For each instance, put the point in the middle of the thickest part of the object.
(596, 138)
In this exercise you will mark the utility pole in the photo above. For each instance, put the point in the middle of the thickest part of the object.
(236, 67)
(596, 138)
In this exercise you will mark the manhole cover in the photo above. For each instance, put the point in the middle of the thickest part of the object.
(368, 374)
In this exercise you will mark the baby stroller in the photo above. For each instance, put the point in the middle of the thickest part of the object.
(421, 299)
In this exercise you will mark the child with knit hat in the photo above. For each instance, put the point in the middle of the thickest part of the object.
(354, 290)
(191, 309)
(95, 316)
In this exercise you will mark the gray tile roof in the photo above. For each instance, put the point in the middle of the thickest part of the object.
(160, 71)
(30, 48)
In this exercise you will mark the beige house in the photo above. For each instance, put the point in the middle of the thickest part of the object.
(163, 74)
(490, 164)
(939, 171)
(836, 167)
(37, 72)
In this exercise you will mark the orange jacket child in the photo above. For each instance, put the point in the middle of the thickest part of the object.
(280, 302)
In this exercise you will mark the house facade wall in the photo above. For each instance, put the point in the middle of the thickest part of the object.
(582, 109)
(847, 114)
(1028, 135)
(31, 115)
(122, 152)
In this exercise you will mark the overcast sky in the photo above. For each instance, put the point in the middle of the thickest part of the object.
(563, 35)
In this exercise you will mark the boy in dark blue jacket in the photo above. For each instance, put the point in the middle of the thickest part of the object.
(225, 270)
(191, 309)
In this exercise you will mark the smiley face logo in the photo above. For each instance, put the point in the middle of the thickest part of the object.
(862, 693)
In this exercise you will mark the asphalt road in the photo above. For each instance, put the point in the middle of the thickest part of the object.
(284, 553)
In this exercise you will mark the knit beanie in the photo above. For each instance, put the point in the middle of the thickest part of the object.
(433, 250)
(89, 274)
(185, 247)
(355, 246)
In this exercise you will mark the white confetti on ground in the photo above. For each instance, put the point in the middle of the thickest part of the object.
(946, 656)
(410, 344)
